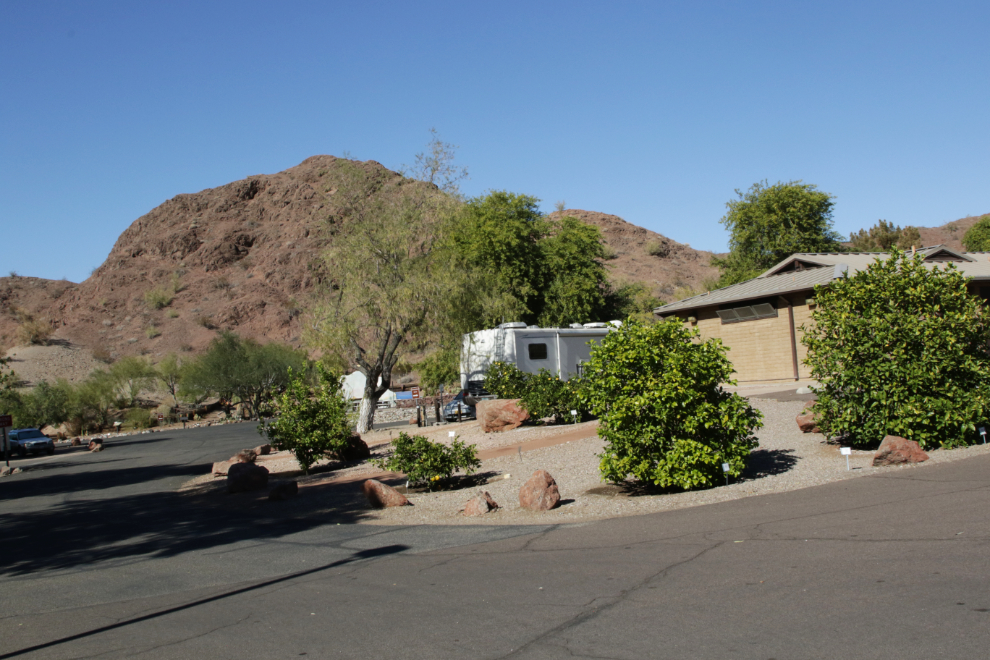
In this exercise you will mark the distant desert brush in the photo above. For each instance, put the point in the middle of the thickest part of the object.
(34, 331)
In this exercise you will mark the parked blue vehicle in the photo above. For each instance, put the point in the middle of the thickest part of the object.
(30, 441)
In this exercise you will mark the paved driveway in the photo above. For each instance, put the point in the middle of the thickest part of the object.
(102, 558)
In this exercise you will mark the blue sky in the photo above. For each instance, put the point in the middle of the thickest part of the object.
(652, 111)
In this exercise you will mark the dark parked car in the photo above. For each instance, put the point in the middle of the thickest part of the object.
(463, 402)
(30, 441)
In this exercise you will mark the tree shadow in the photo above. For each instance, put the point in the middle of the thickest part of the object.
(162, 524)
(768, 462)
(71, 482)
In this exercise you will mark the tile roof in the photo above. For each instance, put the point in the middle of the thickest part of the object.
(819, 268)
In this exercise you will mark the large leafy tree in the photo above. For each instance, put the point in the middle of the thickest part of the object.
(663, 411)
(392, 283)
(768, 223)
(977, 237)
(901, 349)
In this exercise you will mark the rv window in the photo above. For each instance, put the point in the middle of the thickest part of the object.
(537, 351)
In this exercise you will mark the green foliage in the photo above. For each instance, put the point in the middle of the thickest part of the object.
(235, 368)
(310, 421)
(769, 223)
(632, 300)
(34, 331)
(440, 368)
(428, 462)
(97, 395)
(151, 332)
(664, 415)
(505, 380)
(132, 375)
(525, 266)
(883, 236)
(977, 237)
(543, 395)
(163, 294)
(902, 350)
(47, 404)
(168, 373)
(658, 248)
(139, 418)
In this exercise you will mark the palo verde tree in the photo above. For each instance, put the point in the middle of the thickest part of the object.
(768, 223)
(663, 412)
(391, 283)
(900, 348)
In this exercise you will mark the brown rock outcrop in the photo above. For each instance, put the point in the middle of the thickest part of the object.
(382, 495)
(895, 450)
(501, 415)
(540, 492)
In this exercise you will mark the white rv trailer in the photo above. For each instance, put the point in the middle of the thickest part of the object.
(561, 351)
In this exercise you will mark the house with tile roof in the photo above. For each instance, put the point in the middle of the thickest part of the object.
(760, 320)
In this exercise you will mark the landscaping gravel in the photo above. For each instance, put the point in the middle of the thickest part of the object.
(785, 460)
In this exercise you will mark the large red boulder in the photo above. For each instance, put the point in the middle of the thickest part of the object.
(807, 421)
(480, 505)
(895, 450)
(540, 493)
(245, 477)
(263, 450)
(500, 414)
(382, 495)
(245, 456)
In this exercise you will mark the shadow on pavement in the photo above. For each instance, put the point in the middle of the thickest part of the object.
(71, 482)
(161, 524)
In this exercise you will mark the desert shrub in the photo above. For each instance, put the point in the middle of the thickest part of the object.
(428, 462)
(543, 395)
(158, 297)
(139, 418)
(101, 354)
(900, 349)
(206, 322)
(151, 332)
(609, 253)
(34, 331)
(311, 421)
(505, 380)
(172, 314)
(658, 248)
(663, 413)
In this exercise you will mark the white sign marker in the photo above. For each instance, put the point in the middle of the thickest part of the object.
(846, 451)
(725, 469)
(983, 432)
(451, 434)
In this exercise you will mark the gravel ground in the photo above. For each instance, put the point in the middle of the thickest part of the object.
(785, 460)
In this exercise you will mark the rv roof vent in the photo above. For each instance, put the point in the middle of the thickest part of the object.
(514, 324)
(575, 325)
(597, 324)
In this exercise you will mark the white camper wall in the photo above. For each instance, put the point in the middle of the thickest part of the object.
(479, 349)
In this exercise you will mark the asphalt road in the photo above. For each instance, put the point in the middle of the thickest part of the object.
(101, 558)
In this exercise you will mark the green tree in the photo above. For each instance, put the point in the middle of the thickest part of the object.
(391, 283)
(133, 375)
(441, 368)
(97, 397)
(977, 237)
(240, 369)
(883, 236)
(168, 372)
(311, 422)
(663, 413)
(900, 349)
(768, 223)
(575, 283)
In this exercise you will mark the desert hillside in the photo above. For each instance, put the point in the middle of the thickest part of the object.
(245, 257)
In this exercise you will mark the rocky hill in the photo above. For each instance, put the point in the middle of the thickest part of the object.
(245, 257)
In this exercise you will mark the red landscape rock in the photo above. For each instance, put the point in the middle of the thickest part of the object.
(356, 449)
(895, 450)
(76, 442)
(245, 456)
(480, 505)
(807, 421)
(95, 445)
(246, 477)
(284, 491)
(263, 450)
(501, 415)
(382, 495)
(221, 467)
(540, 493)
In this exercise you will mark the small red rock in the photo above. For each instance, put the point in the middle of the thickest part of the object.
(500, 415)
(480, 505)
(807, 421)
(895, 450)
(95, 445)
(263, 450)
(221, 467)
(76, 442)
(382, 495)
(540, 493)
(246, 476)
(245, 456)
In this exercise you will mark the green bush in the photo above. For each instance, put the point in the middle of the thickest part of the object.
(542, 395)
(900, 349)
(663, 413)
(428, 462)
(139, 418)
(977, 238)
(311, 421)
